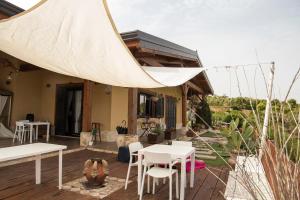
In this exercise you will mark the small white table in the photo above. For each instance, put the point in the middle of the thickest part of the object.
(36, 149)
(37, 124)
(177, 152)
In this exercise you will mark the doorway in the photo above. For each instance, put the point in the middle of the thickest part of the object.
(170, 112)
(68, 115)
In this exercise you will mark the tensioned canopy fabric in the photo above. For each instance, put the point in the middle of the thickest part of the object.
(78, 38)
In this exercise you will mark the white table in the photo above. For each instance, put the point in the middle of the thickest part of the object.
(36, 149)
(37, 124)
(177, 152)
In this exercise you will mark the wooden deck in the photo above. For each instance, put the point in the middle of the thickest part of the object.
(18, 181)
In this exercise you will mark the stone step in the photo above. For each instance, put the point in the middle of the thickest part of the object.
(208, 157)
(205, 152)
(203, 149)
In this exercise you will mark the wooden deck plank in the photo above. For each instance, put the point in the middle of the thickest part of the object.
(18, 181)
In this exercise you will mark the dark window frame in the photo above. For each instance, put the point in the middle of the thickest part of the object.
(152, 109)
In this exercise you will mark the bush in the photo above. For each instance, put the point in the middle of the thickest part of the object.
(232, 116)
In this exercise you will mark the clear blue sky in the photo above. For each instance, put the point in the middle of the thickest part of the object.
(225, 32)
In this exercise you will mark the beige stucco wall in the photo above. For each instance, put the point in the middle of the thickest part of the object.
(101, 106)
(26, 93)
(119, 106)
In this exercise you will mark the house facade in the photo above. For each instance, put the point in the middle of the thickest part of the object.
(72, 104)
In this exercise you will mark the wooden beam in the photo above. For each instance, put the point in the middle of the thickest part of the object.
(132, 110)
(87, 106)
(195, 87)
(185, 89)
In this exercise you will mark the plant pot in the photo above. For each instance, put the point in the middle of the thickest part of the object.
(95, 171)
(152, 138)
(169, 133)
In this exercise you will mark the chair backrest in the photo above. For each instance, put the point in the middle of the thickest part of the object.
(134, 147)
(182, 143)
(19, 123)
(157, 158)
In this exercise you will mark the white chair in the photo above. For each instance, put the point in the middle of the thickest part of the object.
(151, 158)
(20, 131)
(133, 148)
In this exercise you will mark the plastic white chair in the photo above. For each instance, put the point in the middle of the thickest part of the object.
(133, 148)
(151, 158)
(20, 131)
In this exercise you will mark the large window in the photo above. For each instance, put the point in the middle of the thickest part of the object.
(150, 106)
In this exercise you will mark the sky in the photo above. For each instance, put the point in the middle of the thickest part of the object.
(225, 33)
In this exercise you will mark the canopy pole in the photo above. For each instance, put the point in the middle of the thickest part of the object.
(267, 110)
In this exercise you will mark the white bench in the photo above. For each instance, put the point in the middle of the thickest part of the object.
(36, 149)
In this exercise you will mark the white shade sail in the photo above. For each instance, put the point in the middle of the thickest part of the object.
(78, 38)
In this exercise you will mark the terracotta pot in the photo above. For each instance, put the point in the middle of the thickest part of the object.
(95, 171)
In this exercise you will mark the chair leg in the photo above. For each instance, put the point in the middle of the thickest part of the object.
(127, 177)
(22, 136)
(142, 186)
(148, 184)
(177, 193)
(170, 187)
(164, 180)
(15, 134)
(153, 187)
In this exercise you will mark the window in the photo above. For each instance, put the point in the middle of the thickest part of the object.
(147, 107)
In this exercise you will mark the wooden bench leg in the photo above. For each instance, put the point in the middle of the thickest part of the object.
(60, 170)
(38, 169)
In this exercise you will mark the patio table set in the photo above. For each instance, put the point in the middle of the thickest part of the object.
(29, 128)
(157, 161)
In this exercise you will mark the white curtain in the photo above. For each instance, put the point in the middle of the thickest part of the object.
(78, 38)
(3, 100)
(78, 105)
(4, 132)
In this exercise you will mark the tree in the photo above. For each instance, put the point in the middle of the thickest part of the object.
(203, 110)
(293, 103)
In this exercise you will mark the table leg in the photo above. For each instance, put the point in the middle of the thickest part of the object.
(31, 130)
(36, 132)
(60, 170)
(139, 171)
(192, 170)
(48, 131)
(183, 178)
(38, 169)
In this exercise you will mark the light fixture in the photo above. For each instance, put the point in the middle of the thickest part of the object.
(9, 77)
(108, 89)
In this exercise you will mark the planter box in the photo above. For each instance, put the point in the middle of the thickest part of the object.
(85, 138)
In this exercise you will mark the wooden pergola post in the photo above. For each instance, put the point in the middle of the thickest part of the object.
(185, 90)
(132, 110)
(87, 106)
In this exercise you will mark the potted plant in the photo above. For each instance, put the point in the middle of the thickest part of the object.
(122, 129)
(153, 135)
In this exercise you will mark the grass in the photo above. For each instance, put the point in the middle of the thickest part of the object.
(209, 134)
